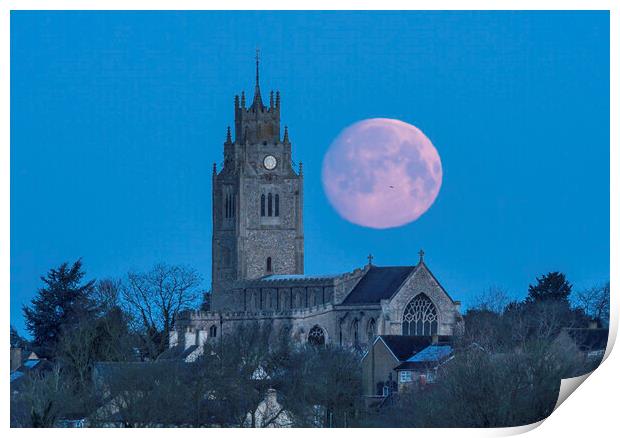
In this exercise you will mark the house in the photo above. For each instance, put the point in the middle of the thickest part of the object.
(421, 368)
(386, 353)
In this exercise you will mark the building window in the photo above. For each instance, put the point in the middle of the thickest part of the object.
(262, 205)
(277, 209)
(405, 376)
(268, 264)
(420, 317)
(371, 330)
(213, 331)
(316, 336)
(430, 377)
(229, 203)
(355, 332)
(269, 204)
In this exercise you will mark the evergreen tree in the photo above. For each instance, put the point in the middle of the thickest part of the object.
(58, 305)
(16, 340)
(552, 286)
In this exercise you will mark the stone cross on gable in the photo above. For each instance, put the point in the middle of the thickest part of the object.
(421, 254)
(370, 257)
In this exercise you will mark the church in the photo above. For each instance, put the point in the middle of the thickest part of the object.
(258, 256)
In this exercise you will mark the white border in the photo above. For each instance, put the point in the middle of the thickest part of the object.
(592, 412)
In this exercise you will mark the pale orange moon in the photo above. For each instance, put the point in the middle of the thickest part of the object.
(381, 173)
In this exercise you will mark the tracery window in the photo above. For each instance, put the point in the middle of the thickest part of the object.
(316, 336)
(420, 317)
(371, 330)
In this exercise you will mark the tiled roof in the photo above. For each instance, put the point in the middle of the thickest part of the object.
(403, 347)
(378, 284)
(432, 353)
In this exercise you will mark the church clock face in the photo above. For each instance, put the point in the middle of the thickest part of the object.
(270, 162)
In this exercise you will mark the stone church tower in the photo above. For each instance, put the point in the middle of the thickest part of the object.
(257, 200)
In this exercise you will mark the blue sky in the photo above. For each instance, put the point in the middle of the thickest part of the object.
(117, 117)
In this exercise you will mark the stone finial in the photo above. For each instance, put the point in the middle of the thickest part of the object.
(236, 101)
(421, 254)
(228, 136)
(277, 100)
(301, 168)
(285, 140)
(271, 100)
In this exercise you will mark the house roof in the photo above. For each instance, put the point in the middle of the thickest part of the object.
(429, 356)
(404, 347)
(379, 283)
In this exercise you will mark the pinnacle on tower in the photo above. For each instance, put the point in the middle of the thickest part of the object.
(243, 99)
(285, 140)
(228, 136)
(258, 101)
(271, 100)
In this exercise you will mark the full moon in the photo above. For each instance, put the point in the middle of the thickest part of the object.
(381, 173)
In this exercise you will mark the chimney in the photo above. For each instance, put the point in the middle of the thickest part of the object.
(457, 304)
(202, 337)
(173, 338)
(190, 338)
(434, 340)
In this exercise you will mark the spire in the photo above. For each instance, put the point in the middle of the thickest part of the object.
(285, 140)
(258, 100)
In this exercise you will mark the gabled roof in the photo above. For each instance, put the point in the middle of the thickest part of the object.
(379, 283)
(432, 353)
(403, 347)
(429, 356)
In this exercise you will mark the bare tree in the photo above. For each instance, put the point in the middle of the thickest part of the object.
(493, 299)
(595, 302)
(156, 297)
(107, 293)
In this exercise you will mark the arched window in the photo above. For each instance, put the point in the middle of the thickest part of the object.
(316, 336)
(277, 209)
(226, 205)
(232, 201)
(262, 205)
(213, 331)
(268, 264)
(420, 317)
(371, 330)
(355, 336)
(269, 205)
